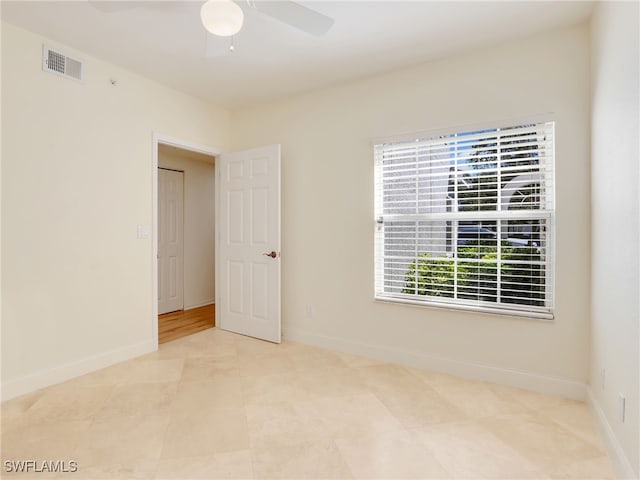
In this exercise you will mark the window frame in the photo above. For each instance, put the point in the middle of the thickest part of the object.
(546, 215)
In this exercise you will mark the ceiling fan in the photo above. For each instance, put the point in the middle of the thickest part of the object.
(224, 18)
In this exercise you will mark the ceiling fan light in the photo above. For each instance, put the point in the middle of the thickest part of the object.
(222, 17)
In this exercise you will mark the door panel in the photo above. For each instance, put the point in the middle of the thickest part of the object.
(235, 277)
(170, 241)
(235, 218)
(260, 215)
(260, 284)
(249, 226)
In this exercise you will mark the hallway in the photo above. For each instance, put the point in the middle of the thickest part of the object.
(174, 325)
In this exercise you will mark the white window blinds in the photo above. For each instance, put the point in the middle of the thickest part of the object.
(465, 220)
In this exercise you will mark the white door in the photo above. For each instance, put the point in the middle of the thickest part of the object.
(170, 241)
(249, 243)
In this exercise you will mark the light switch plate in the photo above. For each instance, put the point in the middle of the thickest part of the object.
(144, 231)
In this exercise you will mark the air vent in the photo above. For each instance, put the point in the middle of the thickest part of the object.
(56, 62)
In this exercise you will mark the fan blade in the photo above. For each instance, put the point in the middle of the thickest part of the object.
(295, 15)
(114, 6)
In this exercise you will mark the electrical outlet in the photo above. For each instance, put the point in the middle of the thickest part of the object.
(622, 406)
(603, 378)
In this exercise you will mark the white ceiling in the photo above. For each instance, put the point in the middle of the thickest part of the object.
(165, 40)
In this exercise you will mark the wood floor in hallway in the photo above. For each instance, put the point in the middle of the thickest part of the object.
(174, 325)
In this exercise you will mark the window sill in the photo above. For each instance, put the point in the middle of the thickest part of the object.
(544, 316)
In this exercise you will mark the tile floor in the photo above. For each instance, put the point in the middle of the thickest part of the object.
(218, 405)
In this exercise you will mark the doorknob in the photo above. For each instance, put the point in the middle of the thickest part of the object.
(272, 254)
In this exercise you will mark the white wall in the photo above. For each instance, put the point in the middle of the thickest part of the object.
(615, 285)
(76, 183)
(327, 226)
(199, 225)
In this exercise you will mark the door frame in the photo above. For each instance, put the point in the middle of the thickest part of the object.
(161, 139)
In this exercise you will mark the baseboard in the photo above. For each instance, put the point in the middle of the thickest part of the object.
(200, 304)
(514, 378)
(620, 461)
(51, 376)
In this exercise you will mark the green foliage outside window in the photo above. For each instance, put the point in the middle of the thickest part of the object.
(477, 275)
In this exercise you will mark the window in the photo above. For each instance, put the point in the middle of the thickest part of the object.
(465, 220)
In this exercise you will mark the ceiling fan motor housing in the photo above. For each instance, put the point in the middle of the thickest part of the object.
(222, 17)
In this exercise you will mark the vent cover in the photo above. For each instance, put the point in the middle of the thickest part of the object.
(56, 62)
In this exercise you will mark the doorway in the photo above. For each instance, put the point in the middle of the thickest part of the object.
(184, 244)
(246, 245)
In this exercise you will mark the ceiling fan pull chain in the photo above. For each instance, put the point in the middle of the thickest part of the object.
(232, 48)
